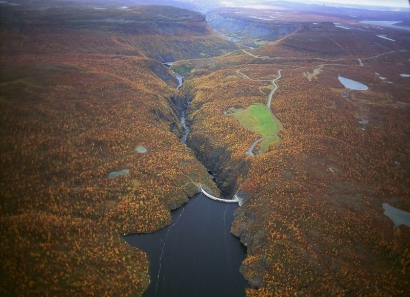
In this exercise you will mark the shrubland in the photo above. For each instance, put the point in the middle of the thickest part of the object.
(78, 97)
(83, 94)
(313, 222)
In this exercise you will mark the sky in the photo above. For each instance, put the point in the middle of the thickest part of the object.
(390, 3)
(386, 3)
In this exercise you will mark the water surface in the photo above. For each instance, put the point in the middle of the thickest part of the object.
(398, 216)
(196, 255)
(389, 24)
(180, 79)
(114, 174)
(352, 84)
(140, 149)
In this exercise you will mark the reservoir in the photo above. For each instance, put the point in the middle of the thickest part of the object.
(196, 255)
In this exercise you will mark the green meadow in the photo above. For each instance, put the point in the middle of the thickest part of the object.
(258, 118)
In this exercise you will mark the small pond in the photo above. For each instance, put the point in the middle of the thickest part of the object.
(352, 84)
(114, 174)
(398, 216)
(140, 149)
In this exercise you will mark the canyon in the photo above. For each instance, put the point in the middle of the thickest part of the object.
(93, 147)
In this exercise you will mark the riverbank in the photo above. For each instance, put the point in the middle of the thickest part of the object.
(196, 255)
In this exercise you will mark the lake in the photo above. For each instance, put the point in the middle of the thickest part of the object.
(388, 24)
(398, 216)
(352, 84)
(196, 255)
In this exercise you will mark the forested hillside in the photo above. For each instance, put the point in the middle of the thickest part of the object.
(81, 100)
(313, 223)
(90, 144)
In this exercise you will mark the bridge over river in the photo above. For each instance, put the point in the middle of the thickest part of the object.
(235, 198)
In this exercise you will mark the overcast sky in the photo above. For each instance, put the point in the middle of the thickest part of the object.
(389, 3)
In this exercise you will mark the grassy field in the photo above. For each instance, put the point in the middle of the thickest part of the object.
(256, 118)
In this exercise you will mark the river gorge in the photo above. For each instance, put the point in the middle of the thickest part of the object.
(196, 255)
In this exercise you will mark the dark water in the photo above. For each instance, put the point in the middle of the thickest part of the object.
(196, 255)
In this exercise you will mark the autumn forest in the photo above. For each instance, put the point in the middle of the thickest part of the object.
(84, 94)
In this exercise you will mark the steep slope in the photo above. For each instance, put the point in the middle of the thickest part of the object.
(314, 221)
(248, 27)
(163, 33)
(90, 146)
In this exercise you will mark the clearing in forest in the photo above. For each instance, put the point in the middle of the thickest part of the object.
(257, 118)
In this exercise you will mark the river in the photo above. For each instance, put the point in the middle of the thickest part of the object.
(184, 124)
(183, 113)
(196, 255)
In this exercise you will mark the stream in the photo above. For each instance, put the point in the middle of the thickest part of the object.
(196, 255)
(183, 113)
(184, 124)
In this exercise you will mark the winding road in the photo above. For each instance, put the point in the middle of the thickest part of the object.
(360, 63)
(268, 105)
(287, 58)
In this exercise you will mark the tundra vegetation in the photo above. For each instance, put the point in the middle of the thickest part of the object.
(83, 94)
(80, 100)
